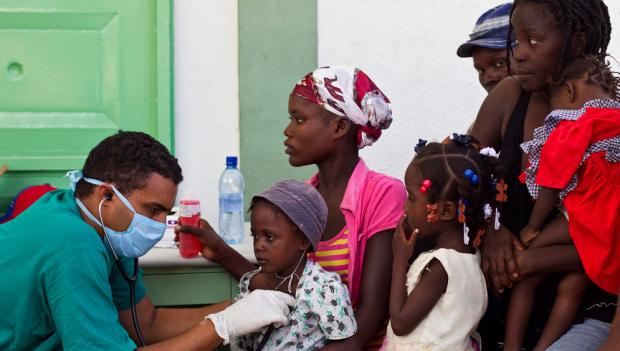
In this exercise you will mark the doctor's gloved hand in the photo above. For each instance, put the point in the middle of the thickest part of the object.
(253, 312)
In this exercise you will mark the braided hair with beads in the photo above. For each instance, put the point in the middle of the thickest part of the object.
(576, 17)
(446, 163)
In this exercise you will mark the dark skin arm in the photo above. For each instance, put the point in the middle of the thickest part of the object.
(407, 311)
(494, 113)
(173, 329)
(552, 259)
(545, 204)
(200, 337)
(216, 249)
(160, 324)
(553, 251)
(498, 262)
(373, 297)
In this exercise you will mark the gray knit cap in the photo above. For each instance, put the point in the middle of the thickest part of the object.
(302, 204)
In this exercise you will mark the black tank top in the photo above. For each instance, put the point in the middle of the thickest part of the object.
(515, 213)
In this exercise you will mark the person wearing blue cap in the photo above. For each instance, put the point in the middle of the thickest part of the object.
(487, 46)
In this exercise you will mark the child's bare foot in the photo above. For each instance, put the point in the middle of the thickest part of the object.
(528, 234)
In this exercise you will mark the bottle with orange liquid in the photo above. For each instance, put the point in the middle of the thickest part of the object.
(189, 214)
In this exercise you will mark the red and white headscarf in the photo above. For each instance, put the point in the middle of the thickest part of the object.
(348, 92)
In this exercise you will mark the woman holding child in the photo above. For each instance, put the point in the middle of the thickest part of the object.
(550, 34)
(335, 111)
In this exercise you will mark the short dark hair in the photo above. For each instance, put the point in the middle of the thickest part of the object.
(127, 160)
(445, 165)
(596, 71)
(590, 17)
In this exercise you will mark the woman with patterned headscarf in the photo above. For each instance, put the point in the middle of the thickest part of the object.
(334, 112)
(348, 92)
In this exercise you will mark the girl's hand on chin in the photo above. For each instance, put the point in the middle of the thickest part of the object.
(404, 241)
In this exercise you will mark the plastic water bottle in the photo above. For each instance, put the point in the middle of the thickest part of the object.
(189, 214)
(231, 188)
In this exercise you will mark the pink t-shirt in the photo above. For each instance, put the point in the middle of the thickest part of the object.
(372, 203)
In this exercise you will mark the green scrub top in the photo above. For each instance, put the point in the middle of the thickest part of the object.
(59, 285)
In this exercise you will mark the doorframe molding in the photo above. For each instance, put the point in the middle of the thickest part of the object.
(165, 73)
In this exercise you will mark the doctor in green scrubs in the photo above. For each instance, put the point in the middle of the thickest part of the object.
(62, 263)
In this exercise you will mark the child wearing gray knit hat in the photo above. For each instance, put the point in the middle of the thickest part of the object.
(302, 204)
(287, 221)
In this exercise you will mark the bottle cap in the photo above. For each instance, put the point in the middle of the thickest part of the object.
(189, 195)
(188, 199)
(189, 205)
(231, 161)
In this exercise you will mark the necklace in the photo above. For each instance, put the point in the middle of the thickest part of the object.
(290, 276)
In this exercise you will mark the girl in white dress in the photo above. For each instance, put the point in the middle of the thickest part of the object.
(437, 302)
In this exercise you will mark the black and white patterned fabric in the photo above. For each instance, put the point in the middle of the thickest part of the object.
(533, 148)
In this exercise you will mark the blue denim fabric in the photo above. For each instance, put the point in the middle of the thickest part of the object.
(587, 336)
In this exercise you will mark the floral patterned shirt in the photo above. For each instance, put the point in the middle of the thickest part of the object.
(323, 312)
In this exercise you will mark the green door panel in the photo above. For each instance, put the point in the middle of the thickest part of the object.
(73, 72)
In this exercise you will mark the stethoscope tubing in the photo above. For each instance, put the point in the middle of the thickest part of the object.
(132, 296)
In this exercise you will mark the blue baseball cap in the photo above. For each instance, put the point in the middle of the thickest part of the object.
(490, 31)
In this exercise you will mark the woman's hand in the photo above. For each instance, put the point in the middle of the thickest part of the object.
(498, 260)
(528, 234)
(214, 248)
(404, 241)
(212, 243)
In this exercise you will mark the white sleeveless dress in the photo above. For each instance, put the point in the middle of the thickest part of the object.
(453, 320)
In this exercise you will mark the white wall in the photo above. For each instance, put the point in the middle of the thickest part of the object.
(206, 94)
(408, 47)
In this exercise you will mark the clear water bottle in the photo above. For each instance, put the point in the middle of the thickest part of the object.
(231, 188)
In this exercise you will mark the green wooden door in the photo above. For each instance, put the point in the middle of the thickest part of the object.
(73, 72)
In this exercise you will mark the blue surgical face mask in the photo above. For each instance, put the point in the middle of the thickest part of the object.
(141, 235)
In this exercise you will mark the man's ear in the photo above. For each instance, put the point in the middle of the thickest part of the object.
(447, 210)
(103, 192)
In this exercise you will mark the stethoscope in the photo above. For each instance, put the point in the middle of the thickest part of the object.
(131, 280)
(263, 342)
(132, 294)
